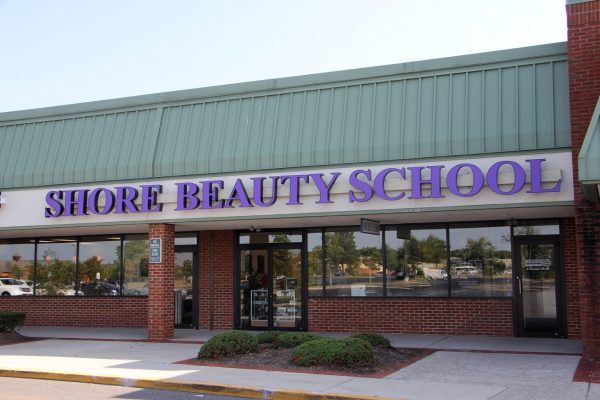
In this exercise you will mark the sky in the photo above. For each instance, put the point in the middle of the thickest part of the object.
(63, 52)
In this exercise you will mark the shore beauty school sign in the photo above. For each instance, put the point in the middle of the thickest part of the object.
(438, 183)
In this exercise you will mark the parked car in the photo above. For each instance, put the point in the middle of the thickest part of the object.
(14, 287)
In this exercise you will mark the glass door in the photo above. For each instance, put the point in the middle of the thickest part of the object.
(539, 300)
(185, 306)
(286, 295)
(270, 288)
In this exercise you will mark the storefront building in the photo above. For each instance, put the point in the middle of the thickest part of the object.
(449, 196)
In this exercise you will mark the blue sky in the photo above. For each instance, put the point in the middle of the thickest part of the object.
(61, 52)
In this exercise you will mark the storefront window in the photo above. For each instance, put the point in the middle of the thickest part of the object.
(416, 262)
(525, 228)
(270, 237)
(56, 267)
(481, 261)
(315, 263)
(100, 266)
(135, 265)
(16, 261)
(186, 238)
(354, 265)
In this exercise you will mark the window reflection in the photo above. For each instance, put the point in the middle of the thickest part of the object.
(416, 262)
(315, 263)
(525, 228)
(135, 265)
(55, 274)
(354, 264)
(16, 262)
(100, 266)
(481, 262)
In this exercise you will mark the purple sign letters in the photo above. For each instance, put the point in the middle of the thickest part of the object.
(425, 183)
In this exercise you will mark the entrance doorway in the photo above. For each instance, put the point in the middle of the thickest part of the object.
(271, 289)
(538, 287)
(185, 295)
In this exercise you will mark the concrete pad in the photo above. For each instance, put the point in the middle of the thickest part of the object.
(84, 333)
(572, 391)
(161, 352)
(200, 335)
(594, 392)
(419, 390)
(414, 341)
(268, 380)
(491, 368)
(517, 344)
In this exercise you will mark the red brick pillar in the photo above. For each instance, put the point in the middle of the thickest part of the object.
(161, 283)
(583, 19)
(216, 279)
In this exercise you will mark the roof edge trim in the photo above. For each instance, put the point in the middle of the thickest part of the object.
(590, 149)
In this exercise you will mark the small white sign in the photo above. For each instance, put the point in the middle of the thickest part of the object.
(155, 252)
(358, 290)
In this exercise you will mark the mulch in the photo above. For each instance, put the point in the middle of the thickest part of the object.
(12, 338)
(387, 361)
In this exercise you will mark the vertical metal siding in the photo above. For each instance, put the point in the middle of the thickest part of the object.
(468, 111)
(79, 149)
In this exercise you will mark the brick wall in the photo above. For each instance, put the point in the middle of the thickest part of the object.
(583, 21)
(568, 247)
(430, 316)
(121, 312)
(161, 283)
(216, 279)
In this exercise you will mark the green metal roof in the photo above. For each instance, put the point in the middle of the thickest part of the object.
(589, 157)
(504, 101)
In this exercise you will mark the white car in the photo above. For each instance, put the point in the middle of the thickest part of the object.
(13, 287)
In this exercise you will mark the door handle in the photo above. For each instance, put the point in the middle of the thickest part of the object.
(519, 284)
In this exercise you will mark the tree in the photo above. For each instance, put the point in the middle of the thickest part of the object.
(341, 251)
(371, 258)
(433, 250)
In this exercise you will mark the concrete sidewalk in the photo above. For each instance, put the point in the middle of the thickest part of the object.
(514, 368)
(436, 342)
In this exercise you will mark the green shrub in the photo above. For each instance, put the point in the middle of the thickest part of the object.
(345, 352)
(228, 344)
(375, 339)
(9, 320)
(267, 337)
(293, 339)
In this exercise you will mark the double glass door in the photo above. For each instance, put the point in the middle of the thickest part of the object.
(539, 295)
(270, 289)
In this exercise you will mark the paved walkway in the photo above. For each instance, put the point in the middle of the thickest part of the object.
(499, 369)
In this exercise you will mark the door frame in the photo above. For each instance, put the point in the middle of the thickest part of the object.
(303, 279)
(192, 248)
(561, 325)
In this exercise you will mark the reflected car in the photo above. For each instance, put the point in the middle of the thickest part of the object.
(143, 291)
(99, 288)
(14, 287)
(26, 282)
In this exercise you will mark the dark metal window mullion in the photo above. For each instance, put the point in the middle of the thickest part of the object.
(448, 274)
(304, 279)
(35, 249)
(323, 263)
(77, 280)
(384, 261)
(122, 265)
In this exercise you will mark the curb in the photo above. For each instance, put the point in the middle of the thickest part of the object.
(180, 386)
